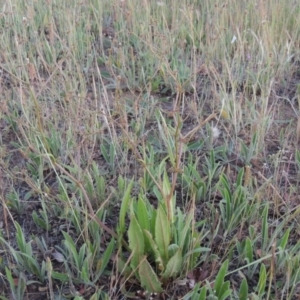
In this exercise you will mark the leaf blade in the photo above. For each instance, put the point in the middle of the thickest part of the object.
(136, 242)
(174, 265)
(148, 277)
(162, 232)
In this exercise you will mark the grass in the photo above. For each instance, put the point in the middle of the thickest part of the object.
(149, 149)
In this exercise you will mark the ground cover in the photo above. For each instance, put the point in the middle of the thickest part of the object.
(149, 149)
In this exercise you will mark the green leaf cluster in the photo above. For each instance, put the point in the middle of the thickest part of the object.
(161, 250)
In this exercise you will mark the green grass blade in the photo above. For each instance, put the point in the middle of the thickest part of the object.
(11, 282)
(225, 291)
(202, 295)
(262, 280)
(220, 278)
(248, 250)
(243, 292)
(265, 230)
(284, 239)
(124, 209)
(106, 256)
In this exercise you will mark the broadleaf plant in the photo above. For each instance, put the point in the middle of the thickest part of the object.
(162, 249)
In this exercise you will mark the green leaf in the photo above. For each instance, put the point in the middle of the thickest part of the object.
(124, 209)
(158, 194)
(104, 152)
(174, 265)
(10, 280)
(142, 214)
(33, 265)
(225, 291)
(225, 183)
(85, 272)
(297, 157)
(102, 263)
(155, 251)
(262, 280)
(265, 229)
(284, 239)
(162, 232)
(122, 185)
(149, 279)
(196, 293)
(196, 250)
(112, 153)
(63, 277)
(81, 255)
(220, 278)
(38, 221)
(172, 249)
(182, 235)
(248, 250)
(243, 292)
(202, 295)
(122, 267)
(136, 241)
(106, 256)
(228, 206)
(239, 180)
(69, 243)
(20, 238)
(195, 145)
